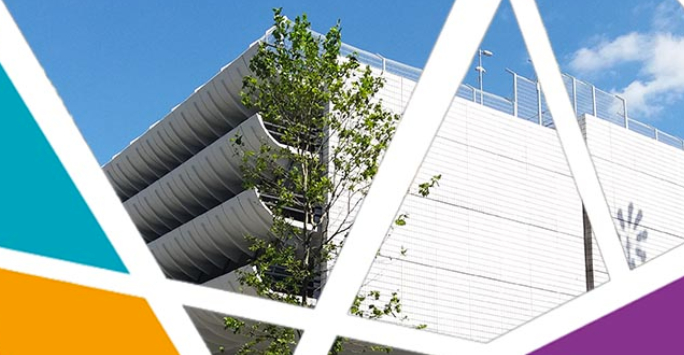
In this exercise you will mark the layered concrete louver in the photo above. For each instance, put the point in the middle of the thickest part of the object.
(204, 181)
(214, 243)
(181, 181)
(208, 114)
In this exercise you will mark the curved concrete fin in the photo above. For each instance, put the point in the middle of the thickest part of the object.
(190, 249)
(210, 112)
(209, 178)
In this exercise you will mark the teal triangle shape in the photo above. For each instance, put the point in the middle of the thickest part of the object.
(42, 211)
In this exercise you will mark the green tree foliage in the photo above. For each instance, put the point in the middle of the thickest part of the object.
(321, 108)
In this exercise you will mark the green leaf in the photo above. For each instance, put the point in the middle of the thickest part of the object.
(401, 219)
(305, 94)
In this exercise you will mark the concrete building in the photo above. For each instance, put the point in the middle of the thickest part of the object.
(502, 240)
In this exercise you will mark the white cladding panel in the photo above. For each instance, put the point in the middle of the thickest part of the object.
(646, 174)
(499, 241)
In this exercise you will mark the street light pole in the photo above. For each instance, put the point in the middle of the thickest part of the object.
(481, 70)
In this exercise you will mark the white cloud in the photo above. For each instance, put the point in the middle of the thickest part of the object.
(659, 55)
(662, 76)
(607, 54)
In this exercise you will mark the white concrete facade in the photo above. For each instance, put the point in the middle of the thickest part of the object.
(648, 175)
(500, 241)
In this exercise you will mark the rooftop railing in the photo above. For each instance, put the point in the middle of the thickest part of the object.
(527, 100)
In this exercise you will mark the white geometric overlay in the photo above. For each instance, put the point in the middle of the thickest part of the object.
(463, 31)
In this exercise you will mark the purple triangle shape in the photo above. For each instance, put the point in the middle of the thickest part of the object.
(650, 325)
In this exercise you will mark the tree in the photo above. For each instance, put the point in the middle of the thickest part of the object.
(321, 108)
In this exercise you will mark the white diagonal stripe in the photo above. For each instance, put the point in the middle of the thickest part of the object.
(449, 61)
(61, 132)
(570, 136)
(167, 296)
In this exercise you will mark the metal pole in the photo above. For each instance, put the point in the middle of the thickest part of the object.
(539, 104)
(481, 72)
(574, 95)
(384, 62)
(656, 134)
(593, 100)
(515, 95)
(624, 108)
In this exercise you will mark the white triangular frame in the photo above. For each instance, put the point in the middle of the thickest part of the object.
(449, 60)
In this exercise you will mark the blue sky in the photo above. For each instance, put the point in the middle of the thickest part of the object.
(121, 65)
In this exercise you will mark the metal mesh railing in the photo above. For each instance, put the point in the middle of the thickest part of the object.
(583, 98)
(642, 128)
(466, 93)
(486, 99)
(610, 107)
(528, 101)
(669, 139)
(530, 105)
